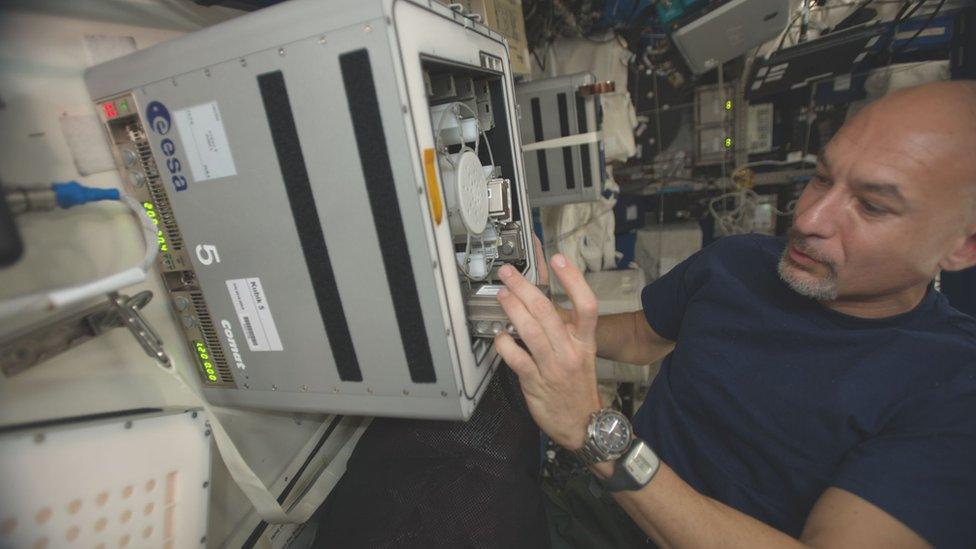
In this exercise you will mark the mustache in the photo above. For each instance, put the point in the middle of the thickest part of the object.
(798, 241)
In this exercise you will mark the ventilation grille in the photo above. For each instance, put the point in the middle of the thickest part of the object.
(210, 338)
(164, 213)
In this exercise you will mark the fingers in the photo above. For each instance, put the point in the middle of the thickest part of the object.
(538, 305)
(579, 292)
(527, 326)
(540, 261)
(517, 359)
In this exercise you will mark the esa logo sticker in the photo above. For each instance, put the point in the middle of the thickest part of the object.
(160, 121)
(158, 116)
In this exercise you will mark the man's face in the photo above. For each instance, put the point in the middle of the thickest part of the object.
(886, 206)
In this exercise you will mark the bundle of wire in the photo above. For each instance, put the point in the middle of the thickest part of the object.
(740, 218)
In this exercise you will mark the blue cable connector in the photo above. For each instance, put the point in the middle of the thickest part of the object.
(73, 193)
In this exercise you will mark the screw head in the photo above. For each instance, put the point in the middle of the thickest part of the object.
(443, 393)
(243, 62)
(274, 387)
(369, 390)
(128, 157)
(138, 179)
(406, 392)
(128, 424)
(193, 415)
(206, 72)
(304, 387)
(206, 483)
(281, 51)
(368, 28)
(322, 40)
(39, 438)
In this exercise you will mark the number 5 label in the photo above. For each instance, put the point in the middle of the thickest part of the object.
(207, 254)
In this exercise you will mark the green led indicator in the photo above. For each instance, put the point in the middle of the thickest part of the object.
(204, 357)
(160, 238)
(123, 105)
(728, 105)
(728, 142)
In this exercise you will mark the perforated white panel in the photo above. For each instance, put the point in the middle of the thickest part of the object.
(137, 481)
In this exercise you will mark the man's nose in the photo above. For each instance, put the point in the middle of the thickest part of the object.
(819, 217)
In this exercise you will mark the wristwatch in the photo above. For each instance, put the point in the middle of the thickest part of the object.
(634, 470)
(608, 437)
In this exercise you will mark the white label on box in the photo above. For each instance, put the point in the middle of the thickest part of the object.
(254, 314)
(205, 141)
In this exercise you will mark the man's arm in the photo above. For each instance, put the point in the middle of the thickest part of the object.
(673, 514)
(558, 378)
(627, 337)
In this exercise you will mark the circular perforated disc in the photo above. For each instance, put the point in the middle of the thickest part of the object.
(472, 192)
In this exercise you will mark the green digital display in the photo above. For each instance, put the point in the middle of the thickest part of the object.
(728, 142)
(204, 356)
(160, 237)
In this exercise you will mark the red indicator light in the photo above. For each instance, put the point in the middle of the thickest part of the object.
(109, 109)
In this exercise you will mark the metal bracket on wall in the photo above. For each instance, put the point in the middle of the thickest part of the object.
(24, 349)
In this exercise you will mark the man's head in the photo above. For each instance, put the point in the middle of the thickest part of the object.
(893, 200)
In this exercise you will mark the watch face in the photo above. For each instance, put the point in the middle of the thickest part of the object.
(612, 433)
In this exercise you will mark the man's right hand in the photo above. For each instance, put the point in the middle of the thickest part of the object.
(543, 267)
(623, 337)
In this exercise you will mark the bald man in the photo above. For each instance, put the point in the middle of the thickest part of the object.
(816, 390)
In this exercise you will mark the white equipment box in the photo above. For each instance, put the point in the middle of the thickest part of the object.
(333, 182)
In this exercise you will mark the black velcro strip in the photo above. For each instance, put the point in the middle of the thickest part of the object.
(584, 149)
(291, 161)
(374, 158)
(540, 154)
(564, 132)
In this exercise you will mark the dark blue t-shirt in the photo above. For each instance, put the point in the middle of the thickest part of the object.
(769, 398)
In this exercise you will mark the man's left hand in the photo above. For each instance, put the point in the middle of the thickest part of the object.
(558, 373)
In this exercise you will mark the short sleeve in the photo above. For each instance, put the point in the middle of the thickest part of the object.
(922, 470)
(665, 299)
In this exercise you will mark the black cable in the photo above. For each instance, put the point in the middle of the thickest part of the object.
(786, 33)
(924, 26)
(902, 17)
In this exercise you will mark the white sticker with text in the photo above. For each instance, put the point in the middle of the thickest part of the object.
(205, 142)
(254, 314)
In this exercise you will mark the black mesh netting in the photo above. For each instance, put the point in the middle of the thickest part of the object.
(414, 483)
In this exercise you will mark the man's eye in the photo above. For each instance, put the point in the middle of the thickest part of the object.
(871, 208)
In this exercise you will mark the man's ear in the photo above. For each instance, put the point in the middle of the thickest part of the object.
(964, 256)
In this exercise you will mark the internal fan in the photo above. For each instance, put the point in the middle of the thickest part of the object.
(466, 186)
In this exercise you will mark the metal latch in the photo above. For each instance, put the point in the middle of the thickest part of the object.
(24, 349)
